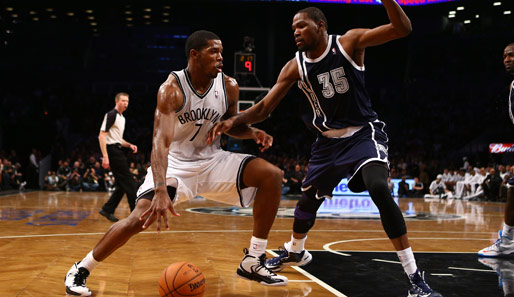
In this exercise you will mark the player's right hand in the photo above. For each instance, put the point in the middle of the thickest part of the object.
(218, 129)
(158, 209)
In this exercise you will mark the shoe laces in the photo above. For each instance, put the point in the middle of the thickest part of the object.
(262, 261)
(282, 253)
(500, 238)
(81, 277)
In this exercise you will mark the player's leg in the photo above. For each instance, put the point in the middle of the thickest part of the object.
(294, 252)
(267, 178)
(504, 246)
(374, 176)
(115, 237)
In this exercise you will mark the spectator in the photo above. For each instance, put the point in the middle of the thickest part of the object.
(100, 173)
(418, 189)
(63, 173)
(51, 181)
(90, 180)
(438, 188)
(502, 170)
(463, 187)
(403, 188)
(295, 180)
(75, 181)
(491, 185)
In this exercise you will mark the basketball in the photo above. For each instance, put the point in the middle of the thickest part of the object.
(181, 279)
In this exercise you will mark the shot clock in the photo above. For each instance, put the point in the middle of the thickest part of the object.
(244, 63)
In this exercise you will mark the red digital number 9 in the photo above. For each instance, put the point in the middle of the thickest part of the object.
(248, 65)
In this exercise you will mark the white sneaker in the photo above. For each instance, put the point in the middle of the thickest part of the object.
(75, 281)
(503, 247)
(253, 268)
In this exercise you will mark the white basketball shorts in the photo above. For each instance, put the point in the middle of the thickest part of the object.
(218, 178)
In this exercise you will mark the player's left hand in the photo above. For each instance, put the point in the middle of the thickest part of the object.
(263, 139)
(133, 147)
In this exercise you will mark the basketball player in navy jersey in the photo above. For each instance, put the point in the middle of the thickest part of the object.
(504, 246)
(351, 140)
(189, 103)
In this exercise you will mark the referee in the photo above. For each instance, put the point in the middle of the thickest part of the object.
(111, 143)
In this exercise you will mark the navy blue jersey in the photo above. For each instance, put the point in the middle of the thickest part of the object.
(335, 87)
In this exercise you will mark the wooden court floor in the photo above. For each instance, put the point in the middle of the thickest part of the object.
(43, 233)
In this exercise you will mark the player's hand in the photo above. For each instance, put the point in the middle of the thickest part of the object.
(158, 209)
(218, 129)
(105, 162)
(133, 147)
(263, 139)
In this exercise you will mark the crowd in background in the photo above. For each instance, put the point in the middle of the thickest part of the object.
(81, 170)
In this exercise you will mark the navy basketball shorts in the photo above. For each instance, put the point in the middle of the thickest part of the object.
(336, 158)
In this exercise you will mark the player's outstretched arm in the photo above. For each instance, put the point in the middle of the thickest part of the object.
(169, 99)
(399, 26)
(259, 112)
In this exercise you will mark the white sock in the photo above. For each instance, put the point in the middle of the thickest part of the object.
(89, 262)
(296, 245)
(257, 246)
(406, 256)
(508, 230)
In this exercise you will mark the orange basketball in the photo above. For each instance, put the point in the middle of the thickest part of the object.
(181, 279)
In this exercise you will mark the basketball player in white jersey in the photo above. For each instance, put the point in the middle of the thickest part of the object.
(189, 103)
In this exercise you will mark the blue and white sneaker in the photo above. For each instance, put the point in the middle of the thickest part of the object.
(419, 288)
(286, 259)
(503, 247)
(75, 281)
(253, 268)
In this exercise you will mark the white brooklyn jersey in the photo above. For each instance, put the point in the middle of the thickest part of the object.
(196, 117)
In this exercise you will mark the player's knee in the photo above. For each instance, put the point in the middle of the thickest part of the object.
(260, 173)
(275, 174)
(378, 187)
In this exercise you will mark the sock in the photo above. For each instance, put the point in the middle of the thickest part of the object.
(89, 262)
(296, 245)
(406, 256)
(257, 246)
(508, 231)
